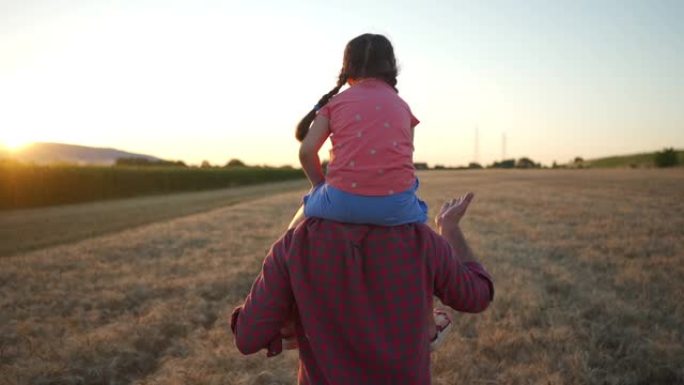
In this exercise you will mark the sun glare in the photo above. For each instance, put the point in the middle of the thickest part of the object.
(14, 142)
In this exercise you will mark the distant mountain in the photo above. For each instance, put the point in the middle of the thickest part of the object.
(47, 153)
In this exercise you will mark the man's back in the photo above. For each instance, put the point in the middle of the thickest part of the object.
(361, 294)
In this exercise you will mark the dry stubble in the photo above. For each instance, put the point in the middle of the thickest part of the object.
(588, 266)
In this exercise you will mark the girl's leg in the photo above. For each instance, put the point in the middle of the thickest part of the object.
(439, 327)
(298, 218)
(312, 199)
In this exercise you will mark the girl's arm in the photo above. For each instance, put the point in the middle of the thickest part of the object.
(308, 152)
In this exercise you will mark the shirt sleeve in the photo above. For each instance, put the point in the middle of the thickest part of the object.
(463, 286)
(325, 110)
(257, 323)
(414, 120)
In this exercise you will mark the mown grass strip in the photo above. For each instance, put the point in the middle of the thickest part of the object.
(37, 228)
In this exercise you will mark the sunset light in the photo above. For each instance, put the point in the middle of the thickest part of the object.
(125, 75)
(14, 141)
(476, 192)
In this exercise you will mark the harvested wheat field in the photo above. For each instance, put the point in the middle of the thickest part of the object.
(588, 265)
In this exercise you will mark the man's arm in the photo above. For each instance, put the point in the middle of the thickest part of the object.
(459, 245)
(257, 323)
(461, 282)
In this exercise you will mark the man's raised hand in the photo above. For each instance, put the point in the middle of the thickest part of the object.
(452, 212)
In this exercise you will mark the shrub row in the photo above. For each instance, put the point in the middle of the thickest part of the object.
(23, 186)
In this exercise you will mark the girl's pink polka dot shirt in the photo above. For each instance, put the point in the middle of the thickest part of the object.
(372, 140)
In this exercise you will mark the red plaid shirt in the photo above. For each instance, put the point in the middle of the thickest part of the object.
(361, 296)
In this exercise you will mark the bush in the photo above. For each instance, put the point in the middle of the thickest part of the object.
(666, 158)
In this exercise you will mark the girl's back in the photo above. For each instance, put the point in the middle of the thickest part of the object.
(370, 178)
(372, 136)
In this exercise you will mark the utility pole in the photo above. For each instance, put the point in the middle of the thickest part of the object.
(503, 146)
(477, 144)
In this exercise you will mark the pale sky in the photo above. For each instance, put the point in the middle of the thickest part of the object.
(215, 80)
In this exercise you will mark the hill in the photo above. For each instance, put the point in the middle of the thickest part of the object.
(633, 160)
(48, 153)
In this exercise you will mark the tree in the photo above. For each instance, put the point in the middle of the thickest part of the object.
(205, 164)
(474, 165)
(666, 158)
(133, 161)
(235, 163)
(579, 162)
(526, 163)
(140, 162)
(508, 163)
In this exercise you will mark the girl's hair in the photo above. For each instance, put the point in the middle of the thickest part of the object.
(365, 56)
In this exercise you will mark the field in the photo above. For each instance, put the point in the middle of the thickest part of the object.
(588, 265)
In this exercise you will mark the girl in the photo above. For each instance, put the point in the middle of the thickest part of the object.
(370, 177)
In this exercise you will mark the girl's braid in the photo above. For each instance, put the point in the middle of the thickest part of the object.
(305, 123)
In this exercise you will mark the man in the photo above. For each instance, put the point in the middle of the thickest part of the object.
(360, 295)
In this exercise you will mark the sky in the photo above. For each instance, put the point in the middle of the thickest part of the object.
(215, 80)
